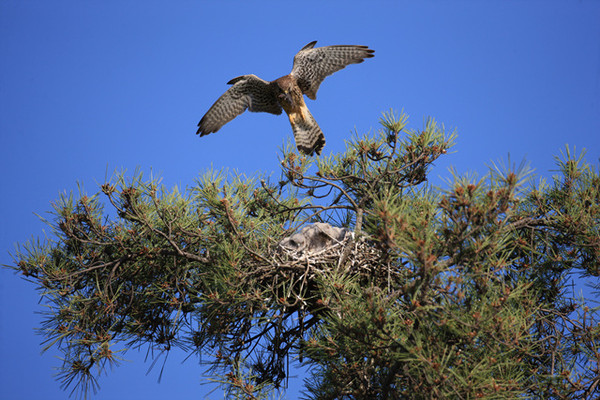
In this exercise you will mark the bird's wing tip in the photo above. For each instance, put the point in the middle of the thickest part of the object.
(309, 46)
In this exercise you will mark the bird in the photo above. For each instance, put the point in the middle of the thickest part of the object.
(310, 67)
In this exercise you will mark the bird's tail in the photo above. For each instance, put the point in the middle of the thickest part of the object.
(307, 133)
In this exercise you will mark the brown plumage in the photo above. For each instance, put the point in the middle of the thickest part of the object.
(311, 67)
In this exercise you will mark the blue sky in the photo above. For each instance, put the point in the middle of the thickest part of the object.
(89, 87)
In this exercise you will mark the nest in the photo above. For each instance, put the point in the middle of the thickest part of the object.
(320, 246)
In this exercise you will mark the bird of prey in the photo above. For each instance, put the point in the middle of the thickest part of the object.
(311, 66)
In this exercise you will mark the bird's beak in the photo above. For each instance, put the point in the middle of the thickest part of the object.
(286, 96)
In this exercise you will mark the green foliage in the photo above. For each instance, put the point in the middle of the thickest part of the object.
(454, 293)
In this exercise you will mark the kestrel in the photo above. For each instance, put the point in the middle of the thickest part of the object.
(311, 66)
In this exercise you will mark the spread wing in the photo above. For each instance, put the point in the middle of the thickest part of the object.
(247, 92)
(312, 65)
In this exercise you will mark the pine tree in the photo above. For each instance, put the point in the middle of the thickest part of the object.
(404, 291)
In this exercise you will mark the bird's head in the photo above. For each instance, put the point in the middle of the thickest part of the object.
(284, 89)
(285, 96)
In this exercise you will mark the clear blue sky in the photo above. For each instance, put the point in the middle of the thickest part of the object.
(90, 86)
